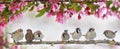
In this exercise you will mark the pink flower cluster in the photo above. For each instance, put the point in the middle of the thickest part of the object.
(14, 17)
(14, 6)
(2, 24)
(2, 6)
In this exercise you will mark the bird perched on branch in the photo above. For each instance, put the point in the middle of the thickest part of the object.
(29, 36)
(109, 34)
(65, 35)
(38, 35)
(17, 35)
(76, 34)
(91, 34)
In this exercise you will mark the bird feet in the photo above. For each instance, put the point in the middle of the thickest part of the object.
(112, 42)
(40, 41)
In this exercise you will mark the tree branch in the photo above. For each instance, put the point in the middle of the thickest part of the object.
(71, 42)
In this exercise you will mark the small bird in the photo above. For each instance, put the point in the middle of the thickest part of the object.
(29, 36)
(17, 35)
(91, 34)
(65, 36)
(109, 34)
(76, 34)
(38, 35)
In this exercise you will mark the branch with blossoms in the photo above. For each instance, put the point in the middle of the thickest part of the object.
(11, 10)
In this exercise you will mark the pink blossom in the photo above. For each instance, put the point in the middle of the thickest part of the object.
(23, 4)
(55, 7)
(104, 16)
(104, 0)
(79, 17)
(14, 17)
(50, 13)
(100, 12)
(53, 1)
(97, 14)
(101, 4)
(70, 12)
(75, 0)
(116, 14)
(14, 47)
(2, 24)
(116, 3)
(2, 6)
(38, 8)
(60, 17)
(108, 11)
(14, 6)
(87, 10)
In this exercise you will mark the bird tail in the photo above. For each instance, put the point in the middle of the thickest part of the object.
(115, 31)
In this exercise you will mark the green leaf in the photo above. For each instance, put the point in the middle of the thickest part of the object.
(87, 2)
(78, 8)
(47, 9)
(31, 8)
(29, 4)
(61, 7)
(74, 6)
(41, 13)
(108, 3)
(42, 2)
(93, 7)
(114, 8)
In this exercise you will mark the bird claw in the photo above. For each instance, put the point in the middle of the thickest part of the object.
(112, 42)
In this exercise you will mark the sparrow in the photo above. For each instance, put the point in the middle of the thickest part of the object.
(76, 34)
(38, 35)
(109, 34)
(65, 36)
(29, 36)
(17, 35)
(91, 34)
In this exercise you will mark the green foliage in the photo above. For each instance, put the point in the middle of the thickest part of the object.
(47, 9)
(93, 7)
(114, 8)
(31, 9)
(108, 3)
(61, 7)
(76, 7)
(41, 13)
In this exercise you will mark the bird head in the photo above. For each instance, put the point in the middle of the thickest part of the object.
(91, 29)
(65, 31)
(38, 32)
(106, 31)
(78, 30)
(29, 31)
(20, 30)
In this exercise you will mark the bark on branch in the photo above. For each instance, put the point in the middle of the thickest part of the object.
(72, 42)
